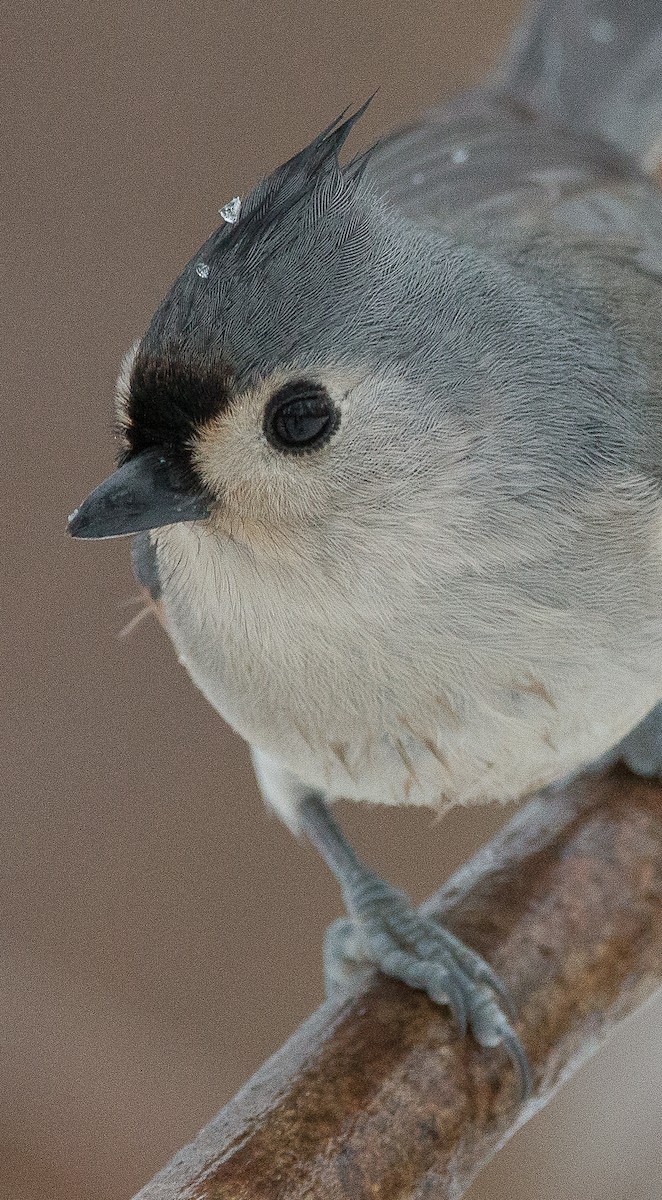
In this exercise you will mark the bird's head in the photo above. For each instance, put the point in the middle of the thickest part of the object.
(258, 391)
(306, 366)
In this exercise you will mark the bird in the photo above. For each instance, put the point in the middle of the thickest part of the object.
(390, 453)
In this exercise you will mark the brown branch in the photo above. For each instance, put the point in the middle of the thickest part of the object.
(379, 1097)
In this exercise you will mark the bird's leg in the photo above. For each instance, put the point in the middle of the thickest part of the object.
(385, 931)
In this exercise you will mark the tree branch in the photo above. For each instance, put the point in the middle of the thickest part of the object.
(379, 1097)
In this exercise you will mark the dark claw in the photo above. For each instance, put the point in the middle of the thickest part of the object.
(490, 1028)
(517, 1056)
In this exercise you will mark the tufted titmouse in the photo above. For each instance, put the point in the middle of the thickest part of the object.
(391, 446)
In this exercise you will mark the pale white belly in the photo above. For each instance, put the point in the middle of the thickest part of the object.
(339, 717)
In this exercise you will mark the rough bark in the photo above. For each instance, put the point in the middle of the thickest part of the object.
(379, 1097)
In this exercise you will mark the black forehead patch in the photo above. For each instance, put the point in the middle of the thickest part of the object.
(169, 399)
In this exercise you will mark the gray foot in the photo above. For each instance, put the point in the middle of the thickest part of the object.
(387, 933)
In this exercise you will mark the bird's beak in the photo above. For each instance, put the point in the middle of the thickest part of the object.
(143, 494)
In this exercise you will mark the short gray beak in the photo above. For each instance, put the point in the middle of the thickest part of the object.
(143, 494)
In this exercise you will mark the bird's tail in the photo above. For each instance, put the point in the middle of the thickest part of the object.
(594, 67)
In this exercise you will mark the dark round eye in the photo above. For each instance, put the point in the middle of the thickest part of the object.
(300, 417)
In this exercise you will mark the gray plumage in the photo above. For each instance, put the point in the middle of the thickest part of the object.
(452, 594)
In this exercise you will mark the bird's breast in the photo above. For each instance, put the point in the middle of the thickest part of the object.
(386, 712)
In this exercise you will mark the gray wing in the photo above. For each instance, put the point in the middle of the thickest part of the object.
(561, 134)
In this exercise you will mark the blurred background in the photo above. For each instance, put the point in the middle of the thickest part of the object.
(161, 932)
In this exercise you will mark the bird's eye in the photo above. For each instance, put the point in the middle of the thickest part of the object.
(300, 417)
